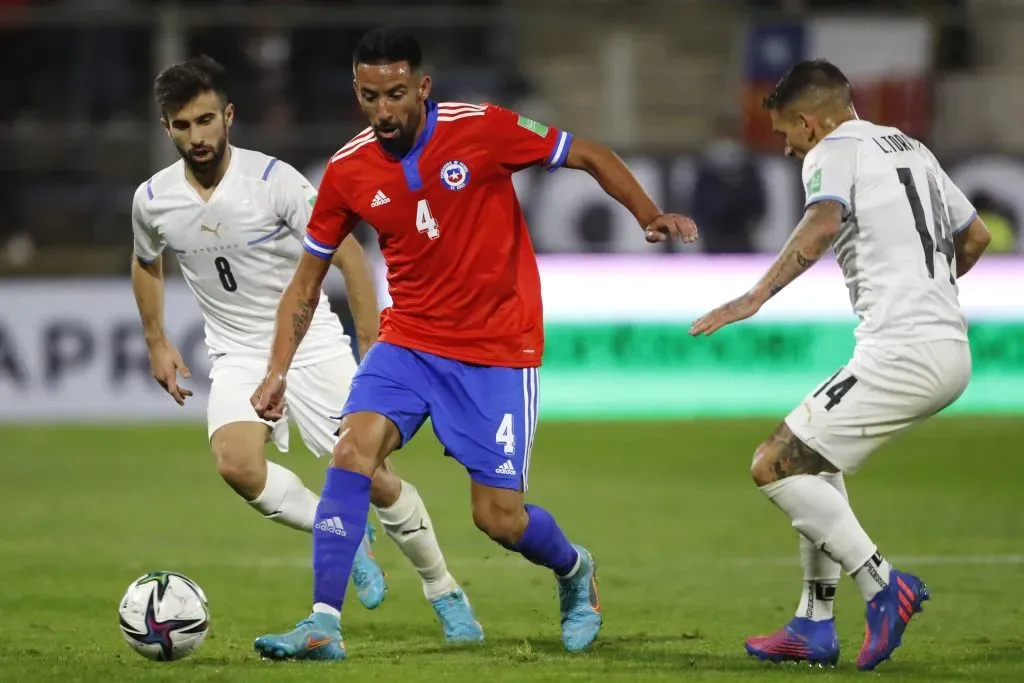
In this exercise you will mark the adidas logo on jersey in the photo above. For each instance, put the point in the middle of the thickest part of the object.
(332, 525)
(506, 468)
(379, 199)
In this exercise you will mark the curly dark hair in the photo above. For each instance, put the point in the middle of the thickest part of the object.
(180, 83)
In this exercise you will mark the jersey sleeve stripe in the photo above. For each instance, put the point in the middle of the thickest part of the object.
(315, 252)
(269, 168)
(967, 223)
(454, 108)
(149, 188)
(362, 137)
(826, 198)
(280, 226)
(560, 153)
(146, 261)
(455, 117)
(316, 248)
(470, 105)
(348, 151)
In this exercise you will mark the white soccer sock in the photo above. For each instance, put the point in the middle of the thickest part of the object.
(324, 608)
(286, 500)
(817, 599)
(409, 526)
(821, 572)
(872, 576)
(820, 513)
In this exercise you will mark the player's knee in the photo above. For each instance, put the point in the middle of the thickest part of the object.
(365, 440)
(354, 454)
(385, 488)
(242, 469)
(502, 524)
(762, 470)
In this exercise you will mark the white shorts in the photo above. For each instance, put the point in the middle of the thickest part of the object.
(315, 393)
(881, 392)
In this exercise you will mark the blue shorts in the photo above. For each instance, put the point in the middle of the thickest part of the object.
(485, 417)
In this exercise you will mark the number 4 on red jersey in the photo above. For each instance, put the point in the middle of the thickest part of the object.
(462, 274)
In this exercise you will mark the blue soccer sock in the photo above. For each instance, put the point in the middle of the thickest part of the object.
(337, 532)
(544, 543)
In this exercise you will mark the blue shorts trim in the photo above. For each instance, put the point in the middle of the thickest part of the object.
(485, 417)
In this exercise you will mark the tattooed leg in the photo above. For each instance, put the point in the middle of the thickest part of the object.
(784, 455)
(796, 478)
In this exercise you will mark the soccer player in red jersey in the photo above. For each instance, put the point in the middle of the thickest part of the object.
(464, 337)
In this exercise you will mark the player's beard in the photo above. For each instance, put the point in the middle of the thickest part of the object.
(208, 163)
(401, 145)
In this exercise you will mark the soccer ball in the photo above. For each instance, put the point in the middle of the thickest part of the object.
(164, 616)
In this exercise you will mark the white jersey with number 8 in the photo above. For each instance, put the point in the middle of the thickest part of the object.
(238, 251)
(895, 246)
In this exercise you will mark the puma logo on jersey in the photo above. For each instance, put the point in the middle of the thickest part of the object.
(215, 230)
(379, 199)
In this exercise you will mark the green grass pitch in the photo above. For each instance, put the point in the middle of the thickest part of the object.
(692, 558)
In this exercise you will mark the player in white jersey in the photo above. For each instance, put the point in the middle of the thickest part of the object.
(903, 233)
(235, 220)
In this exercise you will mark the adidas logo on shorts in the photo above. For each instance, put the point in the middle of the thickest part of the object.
(506, 468)
(332, 525)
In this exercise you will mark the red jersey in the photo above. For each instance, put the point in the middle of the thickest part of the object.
(462, 273)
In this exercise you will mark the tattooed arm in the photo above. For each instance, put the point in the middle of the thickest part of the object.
(295, 312)
(808, 243)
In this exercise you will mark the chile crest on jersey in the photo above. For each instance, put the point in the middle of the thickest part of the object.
(455, 175)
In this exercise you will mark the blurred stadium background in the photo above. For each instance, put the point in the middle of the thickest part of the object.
(674, 87)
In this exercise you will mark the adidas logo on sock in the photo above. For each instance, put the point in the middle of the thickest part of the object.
(379, 199)
(331, 525)
(506, 468)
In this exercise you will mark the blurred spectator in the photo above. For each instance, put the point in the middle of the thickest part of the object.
(729, 195)
(1000, 221)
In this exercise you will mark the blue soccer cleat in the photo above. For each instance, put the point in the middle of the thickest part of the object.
(367, 576)
(888, 614)
(580, 604)
(457, 618)
(801, 640)
(317, 637)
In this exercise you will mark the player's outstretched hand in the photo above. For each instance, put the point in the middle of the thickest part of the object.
(671, 226)
(166, 364)
(268, 399)
(739, 308)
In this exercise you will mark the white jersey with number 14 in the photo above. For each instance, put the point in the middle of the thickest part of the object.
(895, 246)
(237, 251)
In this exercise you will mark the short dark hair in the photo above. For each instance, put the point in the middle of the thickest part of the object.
(180, 83)
(804, 77)
(387, 46)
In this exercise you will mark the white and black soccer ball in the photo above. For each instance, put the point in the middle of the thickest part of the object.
(164, 616)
